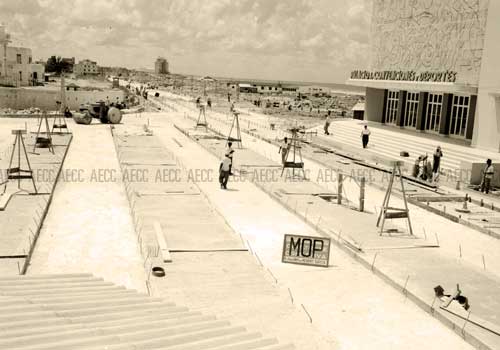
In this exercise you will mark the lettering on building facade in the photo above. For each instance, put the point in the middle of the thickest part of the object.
(436, 77)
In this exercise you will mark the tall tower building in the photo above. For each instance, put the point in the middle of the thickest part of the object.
(161, 66)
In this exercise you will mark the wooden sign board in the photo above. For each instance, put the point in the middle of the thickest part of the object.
(306, 250)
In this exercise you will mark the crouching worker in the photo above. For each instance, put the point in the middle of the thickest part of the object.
(224, 169)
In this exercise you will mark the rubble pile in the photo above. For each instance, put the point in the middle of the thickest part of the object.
(31, 110)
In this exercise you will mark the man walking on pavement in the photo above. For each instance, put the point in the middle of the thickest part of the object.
(229, 153)
(224, 169)
(488, 173)
(365, 136)
(284, 150)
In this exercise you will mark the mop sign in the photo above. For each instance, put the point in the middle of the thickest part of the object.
(306, 250)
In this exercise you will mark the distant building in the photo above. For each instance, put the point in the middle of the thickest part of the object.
(16, 63)
(86, 67)
(161, 66)
(262, 88)
(313, 90)
(248, 88)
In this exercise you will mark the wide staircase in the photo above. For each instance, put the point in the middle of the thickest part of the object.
(80, 311)
(389, 143)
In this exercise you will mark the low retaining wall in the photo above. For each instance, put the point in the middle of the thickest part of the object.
(19, 98)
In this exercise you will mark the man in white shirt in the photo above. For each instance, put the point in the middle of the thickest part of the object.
(365, 136)
(229, 153)
(488, 173)
(224, 172)
(284, 149)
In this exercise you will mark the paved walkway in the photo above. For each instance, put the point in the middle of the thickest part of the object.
(331, 296)
(88, 227)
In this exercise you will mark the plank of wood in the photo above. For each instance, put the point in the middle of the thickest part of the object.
(162, 243)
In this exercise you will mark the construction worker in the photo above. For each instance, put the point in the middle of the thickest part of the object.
(327, 125)
(488, 173)
(284, 147)
(224, 171)
(436, 164)
(229, 153)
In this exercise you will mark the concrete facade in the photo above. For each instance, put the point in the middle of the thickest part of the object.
(86, 67)
(434, 65)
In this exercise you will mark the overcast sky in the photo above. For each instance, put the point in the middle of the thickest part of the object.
(306, 40)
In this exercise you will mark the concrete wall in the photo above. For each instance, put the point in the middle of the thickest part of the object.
(422, 35)
(374, 105)
(487, 122)
(46, 99)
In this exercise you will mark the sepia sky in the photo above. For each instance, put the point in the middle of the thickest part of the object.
(306, 40)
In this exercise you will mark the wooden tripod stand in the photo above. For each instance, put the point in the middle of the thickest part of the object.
(202, 122)
(387, 212)
(295, 149)
(43, 141)
(16, 172)
(59, 123)
(235, 124)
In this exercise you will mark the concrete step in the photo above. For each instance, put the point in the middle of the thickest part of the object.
(140, 331)
(55, 281)
(36, 329)
(65, 291)
(410, 143)
(179, 317)
(216, 342)
(83, 312)
(55, 286)
(221, 334)
(249, 345)
(141, 340)
(278, 347)
(31, 323)
(114, 309)
(33, 315)
(98, 303)
(167, 312)
(46, 276)
(63, 298)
